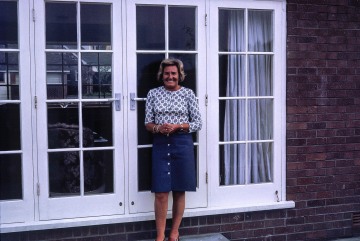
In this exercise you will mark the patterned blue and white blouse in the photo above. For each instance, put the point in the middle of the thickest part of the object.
(175, 107)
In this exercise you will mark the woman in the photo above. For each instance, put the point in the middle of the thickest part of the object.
(172, 114)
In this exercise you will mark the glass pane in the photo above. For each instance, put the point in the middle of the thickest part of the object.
(231, 30)
(232, 120)
(260, 30)
(144, 136)
(97, 122)
(232, 75)
(10, 177)
(182, 34)
(61, 30)
(150, 27)
(260, 75)
(144, 169)
(8, 24)
(96, 75)
(63, 125)
(260, 157)
(147, 68)
(95, 31)
(189, 61)
(98, 172)
(62, 75)
(260, 118)
(10, 127)
(9, 76)
(232, 164)
(64, 174)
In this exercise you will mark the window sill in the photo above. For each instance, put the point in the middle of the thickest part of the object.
(79, 222)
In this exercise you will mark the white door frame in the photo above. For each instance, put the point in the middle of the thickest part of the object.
(23, 210)
(143, 201)
(80, 206)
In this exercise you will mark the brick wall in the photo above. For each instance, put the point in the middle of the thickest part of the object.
(323, 117)
(323, 140)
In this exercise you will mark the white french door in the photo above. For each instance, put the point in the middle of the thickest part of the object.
(16, 190)
(158, 30)
(79, 108)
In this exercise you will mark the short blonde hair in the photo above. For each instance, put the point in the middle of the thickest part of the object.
(171, 62)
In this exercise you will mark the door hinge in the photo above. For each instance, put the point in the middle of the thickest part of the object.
(33, 14)
(38, 189)
(35, 102)
(206, 178)
(206, 19)
(206, 100)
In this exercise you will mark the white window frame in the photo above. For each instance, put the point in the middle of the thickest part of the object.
(262, 193)
(216, 204)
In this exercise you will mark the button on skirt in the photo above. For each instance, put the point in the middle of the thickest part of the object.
(173, 163)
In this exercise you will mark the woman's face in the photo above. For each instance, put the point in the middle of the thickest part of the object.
(171, 77)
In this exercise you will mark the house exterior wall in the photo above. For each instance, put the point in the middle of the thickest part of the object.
(323, 141)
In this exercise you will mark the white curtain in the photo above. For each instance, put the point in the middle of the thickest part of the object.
(254, 116)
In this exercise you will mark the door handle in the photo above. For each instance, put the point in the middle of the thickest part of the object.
(133, 100)
(117, 101)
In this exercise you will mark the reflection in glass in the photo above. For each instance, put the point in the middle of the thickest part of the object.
(64, 174)
(8, 24)
(9, 76)
(231, 30)
(260, 75)
(98, 172)
(260, 30)
(190, 63)
(97, 122)
(144, 136)
(260, 118)
(95, 31)
(61, 30)
(10, 177)
(10, 127)
(147, 68)
(232, 75)
(232, 164)
(150, 27)
(96, 75)
(63, 125)
(260, 156)
(144, 169)
(62, 75)
(232, 120)
(182, 34)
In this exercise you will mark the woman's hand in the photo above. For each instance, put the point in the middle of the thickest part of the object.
(167, 128)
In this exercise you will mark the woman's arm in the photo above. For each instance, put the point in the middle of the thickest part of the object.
(195, 123)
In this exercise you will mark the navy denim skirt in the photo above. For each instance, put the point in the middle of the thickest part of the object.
(173, 163)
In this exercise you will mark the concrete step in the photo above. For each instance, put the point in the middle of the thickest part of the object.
(204, 237)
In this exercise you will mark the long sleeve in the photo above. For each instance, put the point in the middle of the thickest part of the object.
(149, 108)
(195, 121)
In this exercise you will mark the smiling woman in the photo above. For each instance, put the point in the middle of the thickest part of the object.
(172, 112)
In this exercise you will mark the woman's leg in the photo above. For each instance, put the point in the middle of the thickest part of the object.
(161, 206)
(178, 212)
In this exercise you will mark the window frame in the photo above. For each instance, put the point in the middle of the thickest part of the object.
(214, 207)
(263, 193)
